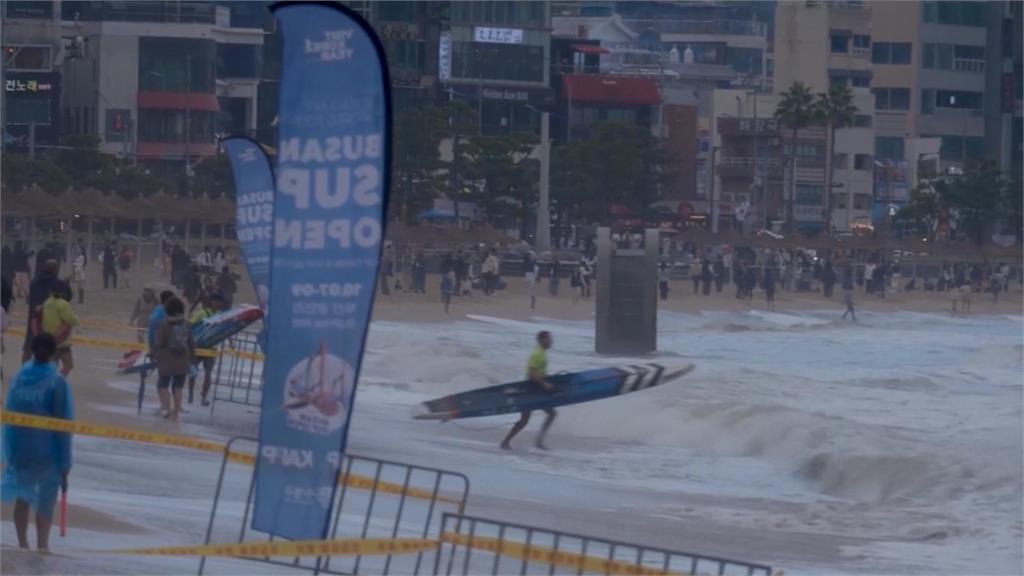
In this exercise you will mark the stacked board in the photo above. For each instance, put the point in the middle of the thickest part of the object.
(569, 388)
(206, 334)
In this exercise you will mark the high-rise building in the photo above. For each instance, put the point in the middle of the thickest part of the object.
(160, 82)
(1005, 80)
(929, 63)
(495, 55)
(32, 55)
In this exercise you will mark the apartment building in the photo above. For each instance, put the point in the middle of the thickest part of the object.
(32, 57)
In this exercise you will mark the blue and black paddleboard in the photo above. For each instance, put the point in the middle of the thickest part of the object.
(570, 388)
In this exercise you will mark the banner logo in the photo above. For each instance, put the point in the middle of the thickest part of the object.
(334, 46)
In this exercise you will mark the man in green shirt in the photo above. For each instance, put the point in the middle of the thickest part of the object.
(212, 306)
(57, 319)
(536, 372)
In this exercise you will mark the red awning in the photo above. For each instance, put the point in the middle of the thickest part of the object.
(600, 89)
(589, 49)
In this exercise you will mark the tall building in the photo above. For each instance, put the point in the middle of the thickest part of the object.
(930, 79)
(820, 44)
(32, 55)
(495, 55)
(1004, 81)
(160, 82)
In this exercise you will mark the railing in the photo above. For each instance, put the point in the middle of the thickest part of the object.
(969, 65)
(720, 27)
(749, 161)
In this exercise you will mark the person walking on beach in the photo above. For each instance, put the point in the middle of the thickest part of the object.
(174, 352)
(848, 292)
(124, 264)
(213, 304)
(695, 274)
(536, 373)
(768, 283)
(828, 279)
(663, 278)
(576, 283)
(419, 273)
(37, 461)
(38, 292)
(447, 287)
(78, 276)
(553, 276)
(109, 260)
(58, 320)
(227, 287)
(532, 278)
(706, 276)
(144, 307)
(22, 269)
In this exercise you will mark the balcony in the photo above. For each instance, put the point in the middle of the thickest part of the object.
(969, 65)
(704, 27)
(743, 167)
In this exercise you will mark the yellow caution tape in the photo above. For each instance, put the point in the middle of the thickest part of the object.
(126, 345)
(540, 554)
(352, 547)
(115, 433)
(91, 323)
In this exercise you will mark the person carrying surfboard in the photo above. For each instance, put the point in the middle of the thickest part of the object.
(536, 372)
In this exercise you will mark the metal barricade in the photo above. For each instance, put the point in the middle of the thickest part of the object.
(473, 545)
(238, 378)
(385, 500)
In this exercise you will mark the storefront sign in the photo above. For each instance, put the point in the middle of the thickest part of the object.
(498, 35)
(27, 86)
(803, 213)
(398, 31)
(444, 56)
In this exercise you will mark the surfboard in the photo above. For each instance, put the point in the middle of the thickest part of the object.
(570, 388)
(207, 334)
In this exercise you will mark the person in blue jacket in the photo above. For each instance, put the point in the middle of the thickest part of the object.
(36, 462)
(157, 318)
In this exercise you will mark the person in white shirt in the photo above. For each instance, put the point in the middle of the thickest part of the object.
(78, 276)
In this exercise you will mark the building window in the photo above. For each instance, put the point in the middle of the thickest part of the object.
(28, 9)
(862, 121)
(501, 12)
(27, 111)
(960, 99)
(841, 161)
(239, 61)
(809, 194)
(31, 58)
(169, 126)
(892, 98)
(956, 57)
(840, 43)
(177, 64)
(862, 162)
(927, 101)
(888, 148)
(509, 62)
(395, 11)
(806, 150)
(960, 13)
(861, 42)
(952, 149)
(891, 53)
(117, 124)
(860, 201)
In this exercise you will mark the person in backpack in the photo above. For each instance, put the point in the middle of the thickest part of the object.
(58, 320)
(174, 352)
(37, 461)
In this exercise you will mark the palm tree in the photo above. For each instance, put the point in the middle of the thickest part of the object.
(836, 110)
(795, 110)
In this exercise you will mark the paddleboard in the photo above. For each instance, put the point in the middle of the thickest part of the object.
(570, 388)
(207, 334)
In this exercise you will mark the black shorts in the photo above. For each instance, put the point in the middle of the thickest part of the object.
(175, 380)
(206, 362)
